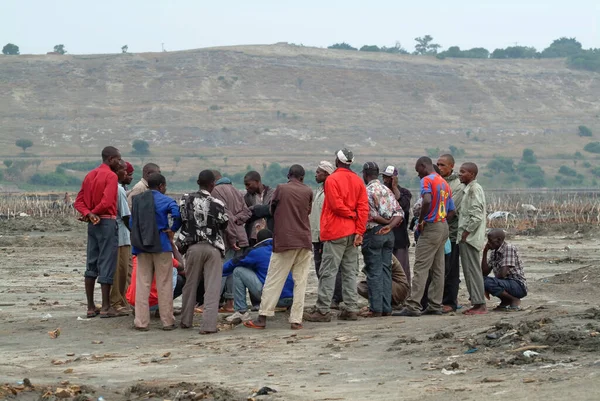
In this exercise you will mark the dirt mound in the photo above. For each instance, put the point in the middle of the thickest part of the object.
(46, 224)
(590, 274)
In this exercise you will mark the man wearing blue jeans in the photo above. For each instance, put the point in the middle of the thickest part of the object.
(385, 213)
(249, 273)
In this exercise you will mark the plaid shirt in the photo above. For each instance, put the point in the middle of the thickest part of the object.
(382, 202)
(507, 255)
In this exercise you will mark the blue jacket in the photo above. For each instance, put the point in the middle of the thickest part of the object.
(258, 260)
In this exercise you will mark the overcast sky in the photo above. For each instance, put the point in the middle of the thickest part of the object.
(104, 26)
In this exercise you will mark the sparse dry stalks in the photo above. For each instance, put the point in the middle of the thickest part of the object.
(12, 206)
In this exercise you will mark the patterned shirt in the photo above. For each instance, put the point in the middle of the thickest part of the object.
(507, 255)
(382, 202)
(204, 220)
(441, 197)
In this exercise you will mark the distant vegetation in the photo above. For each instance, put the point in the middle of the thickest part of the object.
(24, 144)
(140, 147)
(577, 57)
(60, 49)
(79, 166)
(584, 131)
(592, 147)
(10, 50)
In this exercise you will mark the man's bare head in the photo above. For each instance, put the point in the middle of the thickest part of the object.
(496, 238)
(468, 173)
(150, 169)
(445, 163)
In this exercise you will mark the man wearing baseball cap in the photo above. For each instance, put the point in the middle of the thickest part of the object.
(401, 238)
(343, 224)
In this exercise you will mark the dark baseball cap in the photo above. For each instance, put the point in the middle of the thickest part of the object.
(371, 167)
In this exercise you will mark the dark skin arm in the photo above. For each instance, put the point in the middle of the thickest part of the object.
(178, 257)
(425, 206)
(394, 222)
(486, 270)
(395, 188)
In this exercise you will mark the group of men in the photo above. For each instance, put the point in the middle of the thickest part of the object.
(217, 244)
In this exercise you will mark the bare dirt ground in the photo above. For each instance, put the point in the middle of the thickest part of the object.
(427, 358)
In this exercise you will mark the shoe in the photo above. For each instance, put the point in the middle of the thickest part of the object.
(347, 315)
(316, 316)
(407, 312)
(238, 317)
(334, 305)
(374, 314)
(429, 311)
(169, 328)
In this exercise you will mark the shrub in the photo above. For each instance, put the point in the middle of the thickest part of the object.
(140, 147)
(584, 131)
(592, 147)
(372, 48)
(501, 164)
(529, 156)
(432, 152)
(567, 171)
(56, 179)
(79, 166)
(585, 60)
(24, 144)
(342, 46)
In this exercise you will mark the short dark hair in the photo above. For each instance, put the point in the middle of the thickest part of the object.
(472, 167)
(108, 152)
(449, 157)
(252, 176)
(150, 167)
(297, 171)
(425, 161)
(205, 178)
(263, 234)
(155, 180)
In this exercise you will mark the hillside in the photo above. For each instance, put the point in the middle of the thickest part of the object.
(256, 104)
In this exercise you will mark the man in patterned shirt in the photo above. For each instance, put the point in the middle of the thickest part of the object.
(378, 242)
(201, 240)
(509, 283)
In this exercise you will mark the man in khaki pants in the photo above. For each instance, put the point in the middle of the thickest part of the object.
(292, 248)
(471, 232)
(437, 206)
(151, 237)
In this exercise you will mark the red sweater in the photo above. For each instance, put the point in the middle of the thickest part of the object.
(98, 194)
(346, 207)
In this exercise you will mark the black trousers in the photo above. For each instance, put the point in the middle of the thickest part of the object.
(452, 279)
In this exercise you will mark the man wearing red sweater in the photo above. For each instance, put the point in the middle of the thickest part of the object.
(97, 203)
(343, 223)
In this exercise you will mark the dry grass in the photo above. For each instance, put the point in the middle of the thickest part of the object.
(12, 206)
(532, 210)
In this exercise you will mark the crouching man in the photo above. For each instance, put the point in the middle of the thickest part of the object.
(249, 273)
(509, 283)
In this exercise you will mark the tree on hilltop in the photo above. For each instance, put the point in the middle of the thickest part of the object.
(124, 49)
(60, 49)
(342, 46)
(562, 47)
(24, 144)
(424, 45)
(11, 50)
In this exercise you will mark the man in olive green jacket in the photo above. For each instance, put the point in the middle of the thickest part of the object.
(471, 234)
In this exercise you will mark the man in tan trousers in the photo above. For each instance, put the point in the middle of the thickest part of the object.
(151, 237)
(201, 239)
(292, 248)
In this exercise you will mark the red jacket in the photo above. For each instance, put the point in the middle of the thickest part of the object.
(153, 298)
(346, 206)
(98, 193)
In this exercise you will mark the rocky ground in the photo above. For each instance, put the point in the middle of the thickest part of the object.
(548, 351)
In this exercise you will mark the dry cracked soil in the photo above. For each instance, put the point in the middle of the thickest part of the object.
(549, 351)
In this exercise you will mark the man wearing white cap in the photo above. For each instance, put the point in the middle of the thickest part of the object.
(343, 224)
(403, 196)
(324, 169)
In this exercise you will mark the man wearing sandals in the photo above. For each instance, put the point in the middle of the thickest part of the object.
(292, 248)
(509, 283)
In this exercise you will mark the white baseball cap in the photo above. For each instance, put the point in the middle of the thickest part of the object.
(390, 171)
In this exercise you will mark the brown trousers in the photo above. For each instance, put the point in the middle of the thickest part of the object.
(149, 266)
(120, 282)
(202, 261)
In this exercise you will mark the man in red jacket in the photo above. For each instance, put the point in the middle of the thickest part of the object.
(343, 223)
(97, 203)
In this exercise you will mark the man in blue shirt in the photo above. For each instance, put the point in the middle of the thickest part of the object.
(249, 272)
(152, 239)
